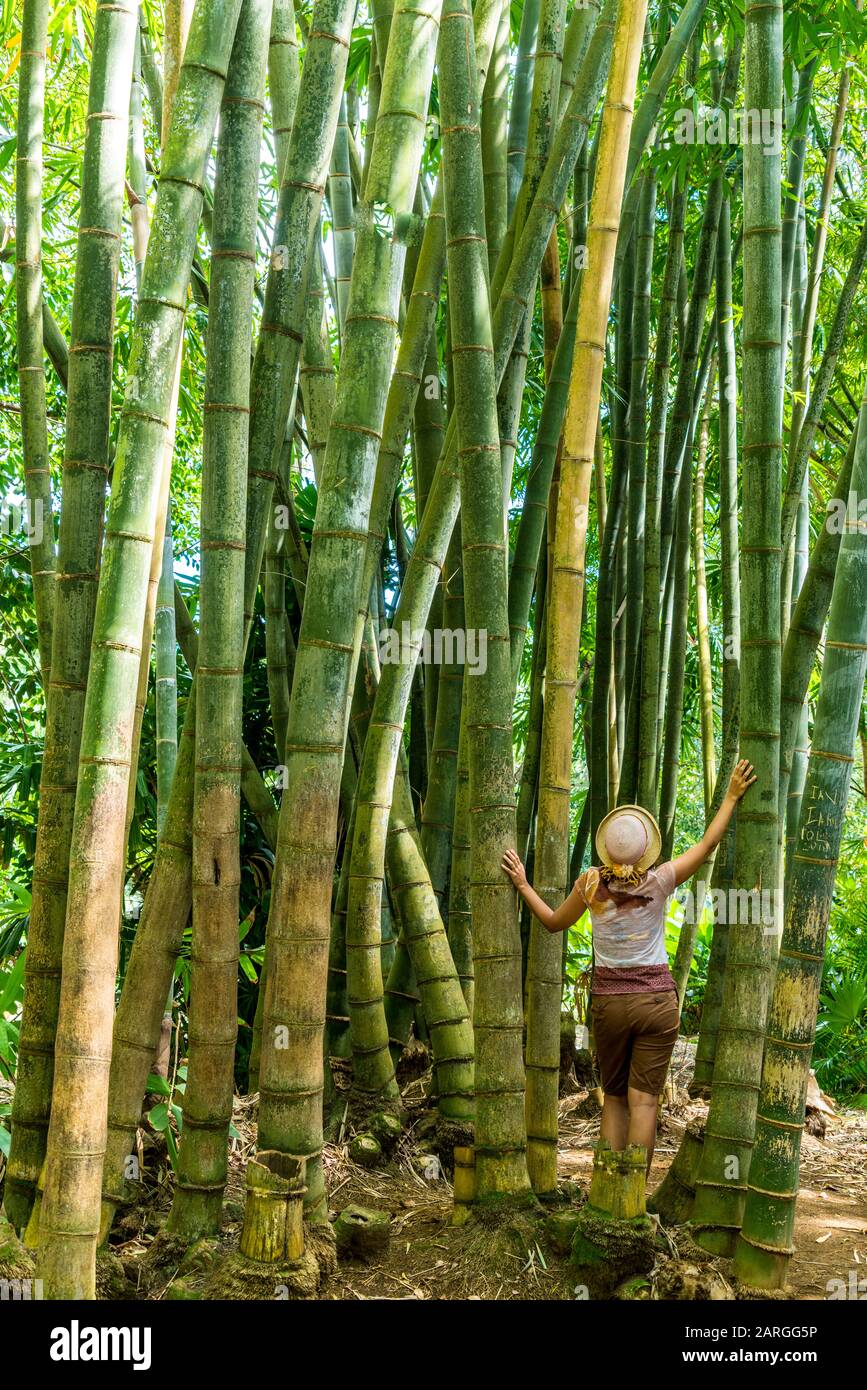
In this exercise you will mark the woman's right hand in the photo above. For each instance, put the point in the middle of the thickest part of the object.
(512, 866)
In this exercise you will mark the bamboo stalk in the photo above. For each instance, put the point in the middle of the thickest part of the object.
(564, 599)
(76, 1139)
(216, 868)
(722, 1176)
(765, 1247)
(28, 318)
(81, 527)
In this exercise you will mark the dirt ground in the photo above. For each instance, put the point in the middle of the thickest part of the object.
(429, 1258)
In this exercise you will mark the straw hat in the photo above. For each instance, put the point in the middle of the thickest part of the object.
(628, 841)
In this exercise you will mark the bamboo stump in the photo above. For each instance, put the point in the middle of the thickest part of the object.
(613, 1239)
(386, 1129)
(618, 1183)
(560, 1228)
(362, 1232)
(273, 1230)
(464, 1183)
(365, 1150)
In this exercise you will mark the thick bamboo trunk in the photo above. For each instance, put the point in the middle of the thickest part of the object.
(640, 518)
(499, 1122)
(671, 691)
(290, 1117)
(765, 1244)
(77, 1134)
(81, 534)
(216, 869)
(721, 1182)
(646, 786)
(708, 752)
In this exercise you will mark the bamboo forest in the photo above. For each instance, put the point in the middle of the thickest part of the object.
(433, 634)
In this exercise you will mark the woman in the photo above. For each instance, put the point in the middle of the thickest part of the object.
(634, 1001)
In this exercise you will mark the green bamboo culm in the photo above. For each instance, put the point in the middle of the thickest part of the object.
(286, 302)
(166, 676)
(519, 117)
(28, 314)
(213, 1011)
(500, 1131)
(77, 1133)
(647, 778)
(33, 1082)
(290, 1118)
(731, 608)
(376, 837)
(342, 215)
(290, 273)
(85, 470)
(765, 1245)
(725, 1162)
(495, 139)
(639, 504)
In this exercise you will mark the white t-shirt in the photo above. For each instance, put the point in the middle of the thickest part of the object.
(635, 934)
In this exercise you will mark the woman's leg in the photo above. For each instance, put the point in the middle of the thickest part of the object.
(643, 1111)
(656, 1023)
(613, 1044)
(615, 1121)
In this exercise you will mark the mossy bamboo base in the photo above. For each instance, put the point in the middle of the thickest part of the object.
(673, 1199)
(30, 1235)
(16, 1261)
(761, 1266)
(607, 1250)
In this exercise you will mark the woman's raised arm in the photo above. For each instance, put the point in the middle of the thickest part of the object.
(686, 864)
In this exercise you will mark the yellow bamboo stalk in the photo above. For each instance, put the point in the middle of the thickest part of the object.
(566, 592)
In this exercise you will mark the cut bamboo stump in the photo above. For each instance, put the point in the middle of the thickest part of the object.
(365, 1150)
(362, 1231)
(614, 1238)
(464, 1183)
(274, 1228)
(618, 1183)
(386, 1129)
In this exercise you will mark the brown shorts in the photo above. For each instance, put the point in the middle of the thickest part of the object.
(635, 1036)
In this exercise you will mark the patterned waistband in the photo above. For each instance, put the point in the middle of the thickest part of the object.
(632, 979)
